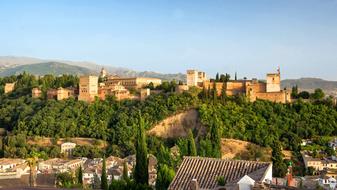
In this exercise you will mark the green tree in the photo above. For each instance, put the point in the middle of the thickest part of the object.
(304, 95)
(223, 92)
(215, 93)
(104, 178)
(215, 137)
(125, 171)
(279, 167)
(318, 94)
(80, 176)
(217, 78)
(141, 174)
(164, 177)
(294, 92)
(192, 150)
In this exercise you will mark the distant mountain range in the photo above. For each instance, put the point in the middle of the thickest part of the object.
(310, 84)
(10, 65)
(54, 68)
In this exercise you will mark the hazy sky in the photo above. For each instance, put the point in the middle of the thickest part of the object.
(250, 37)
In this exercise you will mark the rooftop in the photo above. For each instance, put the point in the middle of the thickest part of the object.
(206, 171)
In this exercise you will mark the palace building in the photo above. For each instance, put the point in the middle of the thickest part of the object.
(132, 82)
(253, 89)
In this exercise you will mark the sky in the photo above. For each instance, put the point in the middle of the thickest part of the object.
(250, 37)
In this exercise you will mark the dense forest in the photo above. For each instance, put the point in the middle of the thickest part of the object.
(279, 126)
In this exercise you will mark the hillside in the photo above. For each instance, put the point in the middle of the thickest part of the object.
(8, 63)
(310, 84)
(177, 125)
(54, 68)
(232, 148)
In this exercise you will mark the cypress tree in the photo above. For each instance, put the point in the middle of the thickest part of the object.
(80, 176)
(125, 171)
(141, 174)
(217, 78)
(204, 93)
(192, 150)
(215, 92)
(223, 92)
(104, 179)
(208, 92)
(236, 76)
(216, 139)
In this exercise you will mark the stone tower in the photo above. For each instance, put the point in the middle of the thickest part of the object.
(193, 77)
(274, 82)
(88, 88)
(103, 73)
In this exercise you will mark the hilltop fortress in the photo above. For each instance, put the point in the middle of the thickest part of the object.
(253, 89)
(91, 87)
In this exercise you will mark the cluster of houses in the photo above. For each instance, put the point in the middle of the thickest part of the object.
(18, 170)
(323, 168)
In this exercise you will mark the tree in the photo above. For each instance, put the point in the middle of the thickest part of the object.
(304, 95)
(279, 167)
(215, 138)
(215, 93)
(236, 76)
(32, 162)
(65, 180)
(192, 151)
(141, 174)
(221, 181)
(164, 177)
(125, 171)
(227, 77)
(318, 94)
(104, 178)
(223, 92)
(217, 78)
(294, 92)
(80, 176)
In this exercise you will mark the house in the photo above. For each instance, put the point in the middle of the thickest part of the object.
(202, 173)
(68, 147)
(306, 142)
(8, 163)
(12, 168)
(55, 165)
(333, 144)
(328, 182)
(89, 174)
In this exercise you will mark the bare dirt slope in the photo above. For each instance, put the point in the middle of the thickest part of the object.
(232, 148)
(46, 141)
(177, 125)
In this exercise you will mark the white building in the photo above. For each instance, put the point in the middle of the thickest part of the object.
(68, 148)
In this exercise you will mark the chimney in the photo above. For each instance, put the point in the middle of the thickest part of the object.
(194, 185)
